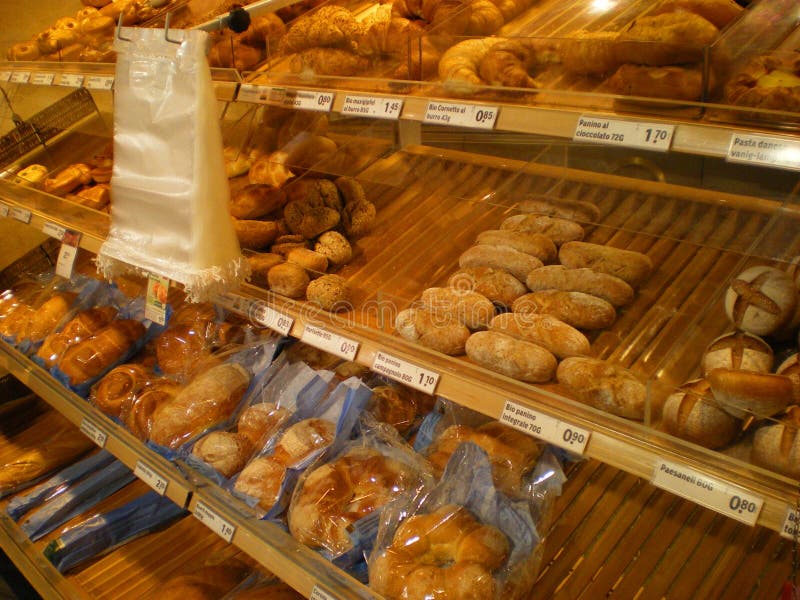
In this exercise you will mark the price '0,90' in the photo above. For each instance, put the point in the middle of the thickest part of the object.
(573, 437)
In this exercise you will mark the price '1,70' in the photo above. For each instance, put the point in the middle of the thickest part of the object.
(655, 136)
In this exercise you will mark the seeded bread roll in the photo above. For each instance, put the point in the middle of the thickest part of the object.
(515, 262)
(745, 393)
(574, 308)
(510, 356)
(604, 386)
(562, 208)
(692, 414)
(761, 300)
(632, 267)
(444, 333)
(545, 330)
(529, 242)
(560, 231)
(471, 308)
(738, 350)
(778, 446)
(335, 247)
(330, 292)
(498, 285)
(558, 277)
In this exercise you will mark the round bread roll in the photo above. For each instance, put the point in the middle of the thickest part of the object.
(529, 242)
(761, 300)
(395, 405)
(470, 308)
(255, 235)
(358, 217)
(559, 230)
(574, 308)
(745, 393)
(258, 421)
(335, 247)
(315, 192)
(558, 277)
(777, 446)
(604, 386)
(288, 279)
(443, 333)
(545, 330)
(308, 220)
(791, 368)
(498, 285)
(692, 414)
(519, 264)
(262, 479)
(256, 200)
(302, 439)
(738, 350)
(330, 292)
(260, 264)
(226, 452)
(511, 357)
(632, 267)
(23, 51)
(118, 386)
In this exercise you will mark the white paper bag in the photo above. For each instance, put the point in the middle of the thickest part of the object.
(169, 211)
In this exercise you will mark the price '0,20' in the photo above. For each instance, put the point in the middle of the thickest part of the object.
(573, 437)
(741, 505)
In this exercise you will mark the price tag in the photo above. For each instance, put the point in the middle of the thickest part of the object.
(405, 372)
(65, 263)
(764, 150)
(94, 433)
(319, 594)
(43, 78)
(71, 80)
(545, 427)
(253, 93)
(53, 230)
(330, 342)
(268, 317)
(461, 115)
(151, 478)
(791, 523)
(237, 304)
(155, 306)
(712, 493)
(20, 214)
(308, 100)
(99, 82)
(213, 521)
(20, 77)
(3, 210)
(5, 76)
(630, 134)
(371, 106)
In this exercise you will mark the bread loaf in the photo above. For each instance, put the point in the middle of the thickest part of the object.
(563, 208)
(560, 231)
(738, 350)
(85, 324)
(545, 330)
(632, 267)
(88, 359)
(443, 333)
(470, 308)
(761, 300)
(692, 413)
(574, 308)
(225, 451)
(519, 264)
(718, 12)
(512, 357)
(208, 399)
(745, 393)
(604, 386)
(529, 242)
(48, 316)
(558, 277)
(777, 446)
(498, 285)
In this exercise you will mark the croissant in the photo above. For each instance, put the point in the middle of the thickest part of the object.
(673, 38)
(88, 359)
(329, 61)
(461, 61)
(83, 325)
(511, 8)
(510, 62)
(446, 16)
(485, 18)
(718, 12)
(387, 36)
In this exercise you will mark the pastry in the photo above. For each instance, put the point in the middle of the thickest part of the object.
(83, 325)
(90, 358)
(770, 81)
(670, 82)
(590, 53)
(120, 385)
(138, 413)
(331, 26)
(23, 51)
(259, 421)
(666, 39)
(718, 12)
(512, 62)
(49, 315)
(256, 200)
(271, 170)
(97, 197)
(32, 174)
(254, 234)
(68, 179)
(329, 61)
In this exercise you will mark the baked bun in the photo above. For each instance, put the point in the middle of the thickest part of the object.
(747, 393)
(179, 348)
(604, 386)
(563, 208)
(303, 439)
(118, 386)
(738, 350)
(582, 311)
(470, 308)
(137, 414)
(226, 452)
(398, 406)
(49, 315)
(253, 234)
(335, 247)
(441, 332)
(498, 285)
(32, 174)
(513, 357)
(288, 279)
(258, 421)
(761, 300)
(777, 446)
(558, 277)
(770, 81)
(791, 368)
(692, 414)
(330, 292)
(630, 266)
(256, 200)
(547, 331)
(92, 357)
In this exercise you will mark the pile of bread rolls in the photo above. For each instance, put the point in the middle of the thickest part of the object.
(243, 51)
(740, 381)
(523, 298)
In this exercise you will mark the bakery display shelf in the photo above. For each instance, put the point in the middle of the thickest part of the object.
(125, 446)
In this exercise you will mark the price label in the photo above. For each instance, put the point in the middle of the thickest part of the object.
(545, 427)
(630, 134)
(405, 372)
(461, 115)
(213, 521)
(94, 433)
(268, 317)
(155, 305)
(726, 499)
(151, 478)
(791, 524)
(70, 240)
(53, 230)
(764, 150)
(20, 77)
(371, 106)
(320, 594)
(20, 214)
(253, 93)
(5, 76)
(330, 342)
(308, 100)
(43, 78)
(100, 82)
(4, 210)
(71, 80)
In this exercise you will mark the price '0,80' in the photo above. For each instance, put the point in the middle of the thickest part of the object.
(741, 505)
